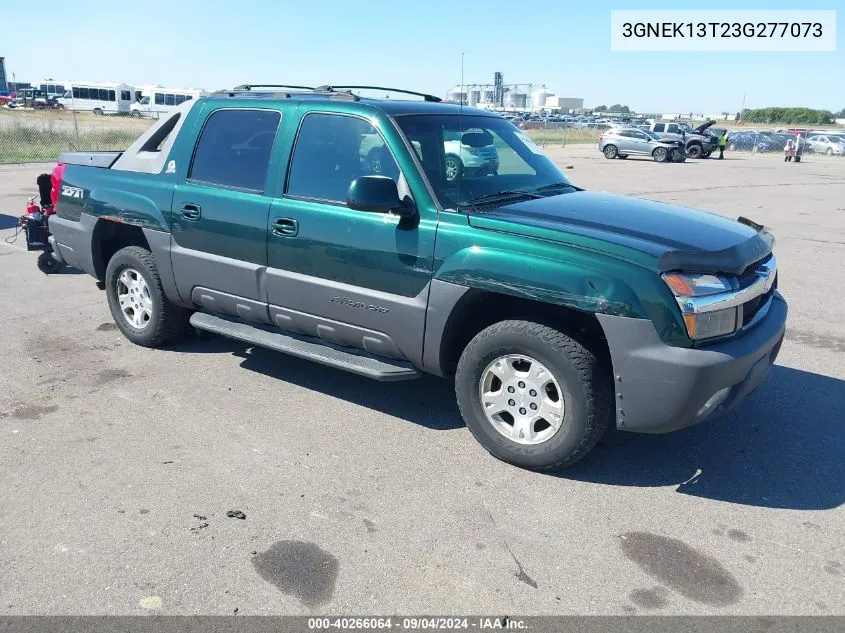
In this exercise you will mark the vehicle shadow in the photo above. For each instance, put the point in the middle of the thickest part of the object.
(8, 221)
(428, 401)
(783, 448)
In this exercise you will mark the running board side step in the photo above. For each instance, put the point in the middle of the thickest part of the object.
(355, 362)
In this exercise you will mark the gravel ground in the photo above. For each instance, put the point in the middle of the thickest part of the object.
(120, 463)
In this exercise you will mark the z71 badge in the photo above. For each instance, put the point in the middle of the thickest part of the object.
(72, 192)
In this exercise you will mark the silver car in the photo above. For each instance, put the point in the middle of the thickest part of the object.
(827, 144)
(631, 141)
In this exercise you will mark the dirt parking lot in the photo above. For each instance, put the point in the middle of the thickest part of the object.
(121, 463)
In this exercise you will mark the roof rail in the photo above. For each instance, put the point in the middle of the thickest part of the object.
(252, 86)
(425, 96)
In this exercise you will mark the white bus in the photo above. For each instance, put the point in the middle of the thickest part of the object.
(99, 98)
(52, 88)
(158, 100)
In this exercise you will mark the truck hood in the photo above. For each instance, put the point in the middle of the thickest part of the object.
(679, 238)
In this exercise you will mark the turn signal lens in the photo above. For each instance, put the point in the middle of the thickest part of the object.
(711, 324)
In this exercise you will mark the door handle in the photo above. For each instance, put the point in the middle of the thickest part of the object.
(285, 227)
(191, 211)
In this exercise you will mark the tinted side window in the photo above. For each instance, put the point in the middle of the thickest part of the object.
(333, 150)
(673, 128)
(124, 95)
(75, 93)
(234, 148)
(111, 95)
(658, 127)
(159, 98)
(180, 99)
(169, 99)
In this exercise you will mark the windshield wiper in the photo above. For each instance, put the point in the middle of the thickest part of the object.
(555, 185)
(501, 194)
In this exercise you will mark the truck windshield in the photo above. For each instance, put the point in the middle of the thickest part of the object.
(467, 158)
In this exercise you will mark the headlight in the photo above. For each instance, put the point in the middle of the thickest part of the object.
(697, 285)
(710, 324)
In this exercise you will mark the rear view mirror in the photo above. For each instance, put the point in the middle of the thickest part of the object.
(378, 194)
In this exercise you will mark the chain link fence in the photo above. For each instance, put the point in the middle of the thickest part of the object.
(35, 136)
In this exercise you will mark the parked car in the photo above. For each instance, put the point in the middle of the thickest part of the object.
(699, 142)
(827, 144)
(468, 153)
(631, 141)
(556, 311)
(748, 141)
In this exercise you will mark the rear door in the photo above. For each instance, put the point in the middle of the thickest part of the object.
(219, 213)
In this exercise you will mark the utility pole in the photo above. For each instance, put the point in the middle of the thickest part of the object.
(462, 77)
(742, 110)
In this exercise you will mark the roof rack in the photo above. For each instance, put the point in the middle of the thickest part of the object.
(426, 97)
(253, 86)
(333, 91)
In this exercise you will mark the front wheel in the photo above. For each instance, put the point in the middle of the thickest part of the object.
(532, 396)
(829, 152)
(660, 155)
(137, 301)
(695, 151)
(610, 151)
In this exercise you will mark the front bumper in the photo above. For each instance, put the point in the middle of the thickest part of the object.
(660, 388)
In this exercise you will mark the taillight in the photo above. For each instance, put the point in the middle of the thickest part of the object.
(56, 182)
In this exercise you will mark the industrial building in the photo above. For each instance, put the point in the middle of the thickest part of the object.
(515, 97)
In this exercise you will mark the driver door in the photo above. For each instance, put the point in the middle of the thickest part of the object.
(351, 277)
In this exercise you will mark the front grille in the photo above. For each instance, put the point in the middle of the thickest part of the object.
(749, 275)
(752, 307)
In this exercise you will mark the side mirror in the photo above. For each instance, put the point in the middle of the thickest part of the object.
(378, 194)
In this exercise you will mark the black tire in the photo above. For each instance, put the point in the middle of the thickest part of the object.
(48, 264)
(168, 322)
(98, 112)
(610, 152)
(452, 159)
(587, 393)
(660, 154)
(695, 151)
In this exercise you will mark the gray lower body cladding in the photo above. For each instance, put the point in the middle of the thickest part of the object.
(660, 388)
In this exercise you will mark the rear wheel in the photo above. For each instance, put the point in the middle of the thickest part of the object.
(48, 264)
(454, 168)
(98, 111)
(533, 396)
(137, 301)
(610, 151)
(660, 154)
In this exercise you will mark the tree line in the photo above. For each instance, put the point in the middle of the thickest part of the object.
(791, 116)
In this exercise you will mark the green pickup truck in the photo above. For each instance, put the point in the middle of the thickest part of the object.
(324, 225)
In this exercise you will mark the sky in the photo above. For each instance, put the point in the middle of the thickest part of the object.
(412, 44)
